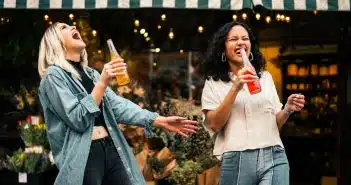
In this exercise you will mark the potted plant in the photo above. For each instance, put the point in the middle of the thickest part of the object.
(30, 165)
(34, 160)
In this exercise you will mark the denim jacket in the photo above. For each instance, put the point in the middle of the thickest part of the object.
(69, 113)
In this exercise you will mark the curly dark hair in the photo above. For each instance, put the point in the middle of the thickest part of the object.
(212, 65)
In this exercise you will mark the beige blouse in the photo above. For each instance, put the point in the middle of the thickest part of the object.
(252, 121)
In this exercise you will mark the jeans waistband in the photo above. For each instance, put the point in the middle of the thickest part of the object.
(105, 140)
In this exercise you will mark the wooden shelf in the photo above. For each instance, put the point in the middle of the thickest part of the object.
(314, 87)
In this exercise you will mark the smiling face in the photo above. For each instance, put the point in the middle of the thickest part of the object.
(237, 38)
(71, 38)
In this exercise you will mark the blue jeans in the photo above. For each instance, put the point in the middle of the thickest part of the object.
(264, 166)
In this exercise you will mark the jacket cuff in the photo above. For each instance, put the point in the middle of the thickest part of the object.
(149, 124)
(89, 103)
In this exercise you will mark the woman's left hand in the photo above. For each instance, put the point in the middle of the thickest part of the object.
(295, 102)
(176, 124)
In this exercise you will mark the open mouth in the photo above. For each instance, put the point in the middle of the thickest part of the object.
(237, 51)
(76, 36)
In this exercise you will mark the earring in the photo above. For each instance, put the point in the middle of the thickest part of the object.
(252, 57)
(224, 59)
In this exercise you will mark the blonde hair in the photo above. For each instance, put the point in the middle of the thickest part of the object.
(52, 52)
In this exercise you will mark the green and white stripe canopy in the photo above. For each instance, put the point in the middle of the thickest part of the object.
(113, 4)
(327, 5)
(323, 5)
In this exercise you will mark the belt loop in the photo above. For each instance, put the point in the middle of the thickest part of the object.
(105, 140)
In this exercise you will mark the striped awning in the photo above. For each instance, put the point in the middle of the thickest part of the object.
(326, 5)
(309, 5)
(113, 4)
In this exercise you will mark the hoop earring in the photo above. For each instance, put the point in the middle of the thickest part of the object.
(252, 57)
(224, 59)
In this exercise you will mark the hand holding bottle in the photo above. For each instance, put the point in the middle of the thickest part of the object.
(113, 69)
(122, 79)
(245, 75)
(253, 86)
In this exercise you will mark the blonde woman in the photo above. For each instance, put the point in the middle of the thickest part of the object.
(81, 113)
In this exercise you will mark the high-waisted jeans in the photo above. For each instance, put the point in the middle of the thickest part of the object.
(104, 166)
(264, 166)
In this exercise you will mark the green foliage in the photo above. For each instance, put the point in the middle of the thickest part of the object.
(197, 147)
(193, 154)
(27, 100)
(33, 134)
(28, 161)
(156, 164)
(185, 174)
(35, 158)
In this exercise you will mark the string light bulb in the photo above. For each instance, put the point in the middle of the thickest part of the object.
(244, 16)
(147, 39)
(157, 50)
(135, 30)
(282, 17)
(74, 23)
(163, 17)
(50, 22)
(268, 19)
(287, 19)
(200, 29)
(171, 34)
(258, 16)
(136, 23)
(159, 27)
(181, 51)
(99, 51)
(94, 32)
(235, 17)
(146, 34)
(278, 17)
(315, 12)
(142, 31)
(46, 17)
(71, 16)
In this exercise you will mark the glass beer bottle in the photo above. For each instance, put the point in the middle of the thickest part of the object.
(254, 86)
(121, 80)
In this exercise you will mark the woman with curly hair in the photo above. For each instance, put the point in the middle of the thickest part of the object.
(246, 126)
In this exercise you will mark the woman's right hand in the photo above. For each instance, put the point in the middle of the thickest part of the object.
(244, 75)
(112, 69)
